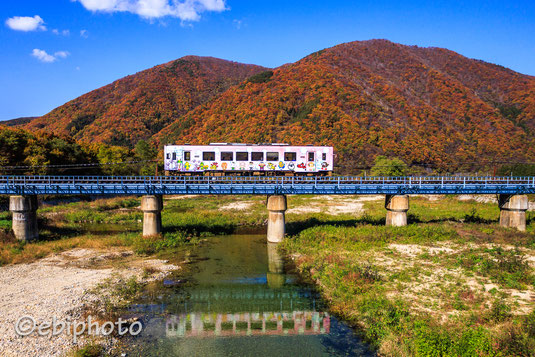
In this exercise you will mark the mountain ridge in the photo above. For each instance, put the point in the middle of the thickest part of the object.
(427, 105)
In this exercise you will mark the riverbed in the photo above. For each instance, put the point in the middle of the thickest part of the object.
(238, 297)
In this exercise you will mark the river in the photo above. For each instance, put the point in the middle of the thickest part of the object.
(237, 297)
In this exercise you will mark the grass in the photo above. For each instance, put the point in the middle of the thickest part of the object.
(89, 350)
(445, 285)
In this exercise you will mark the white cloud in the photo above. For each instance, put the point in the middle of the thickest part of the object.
(61, 54)
(26, 23)
(43, 56)
(186, 10)
(84, 34)
(58, 32)
(237, 24)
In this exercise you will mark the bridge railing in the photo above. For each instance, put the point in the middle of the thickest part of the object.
(264, 180)
(138, 185)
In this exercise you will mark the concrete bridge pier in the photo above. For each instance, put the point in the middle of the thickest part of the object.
(275, 275)
(513, 211)
(24, 221)
(276, 206)
(396, 210)
(152, 206)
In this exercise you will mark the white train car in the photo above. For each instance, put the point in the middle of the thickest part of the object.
(246, 159)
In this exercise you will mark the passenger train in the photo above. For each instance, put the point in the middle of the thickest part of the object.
(219, 159)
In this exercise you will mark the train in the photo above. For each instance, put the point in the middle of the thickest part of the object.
(227, 159)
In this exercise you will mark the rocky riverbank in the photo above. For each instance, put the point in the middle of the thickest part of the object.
(59, 287)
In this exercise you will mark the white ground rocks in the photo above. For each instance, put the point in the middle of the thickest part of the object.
(55, 286)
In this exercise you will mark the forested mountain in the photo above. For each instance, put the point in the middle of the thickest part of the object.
(138, 106)
(17, 121)
(428, 106)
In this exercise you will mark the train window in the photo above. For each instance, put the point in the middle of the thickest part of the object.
(227, 156)
(257, 156)
(290, 156)
(242, 156)
(324, 156)
(187, 155)
(310, 156)
(272, 156)
(208, 156)
(174, 156)
(168, 156)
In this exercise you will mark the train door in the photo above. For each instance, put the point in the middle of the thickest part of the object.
(185, 156)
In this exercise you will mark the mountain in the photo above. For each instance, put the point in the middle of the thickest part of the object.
(138, 106)
(17, 121)
(429, 106)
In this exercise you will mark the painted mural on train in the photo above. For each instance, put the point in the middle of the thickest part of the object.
(248, 159)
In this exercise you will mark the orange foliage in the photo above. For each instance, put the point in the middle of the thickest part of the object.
(423, 105)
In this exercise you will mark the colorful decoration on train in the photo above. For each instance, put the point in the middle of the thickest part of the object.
(291, 166)
(271, 166)
(233, 165)
(251, 165)
(179, 165)
(213, 166)
(242, 165)
(301, 165)
(202, 166)
(281, 165)
(311, 166)
(187, 165)
(324, 165)
(224, 165)
(261, 166)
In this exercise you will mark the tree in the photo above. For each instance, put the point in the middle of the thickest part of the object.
(389, 167)
(145, 152)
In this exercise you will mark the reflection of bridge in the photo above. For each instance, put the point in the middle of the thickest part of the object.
(253, 298)
(248, 324)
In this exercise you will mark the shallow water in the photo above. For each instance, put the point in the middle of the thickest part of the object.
(236, 300)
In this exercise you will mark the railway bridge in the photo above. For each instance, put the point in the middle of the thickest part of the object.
(23, 190)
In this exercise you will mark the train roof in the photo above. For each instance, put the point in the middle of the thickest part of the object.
(243, 144)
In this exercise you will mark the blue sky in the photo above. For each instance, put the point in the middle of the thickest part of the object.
(53, 51)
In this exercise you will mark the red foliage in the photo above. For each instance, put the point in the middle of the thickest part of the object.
(423, 105)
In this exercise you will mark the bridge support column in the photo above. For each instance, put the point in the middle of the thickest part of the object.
(513, 211)
(396, 210)
(152, 206)
(24, 223)
(276, 206)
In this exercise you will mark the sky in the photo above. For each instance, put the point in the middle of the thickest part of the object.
(56, 50)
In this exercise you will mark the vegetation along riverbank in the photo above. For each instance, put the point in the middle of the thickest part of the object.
(451, 283)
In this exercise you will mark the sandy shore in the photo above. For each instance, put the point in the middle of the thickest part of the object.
(57, 286)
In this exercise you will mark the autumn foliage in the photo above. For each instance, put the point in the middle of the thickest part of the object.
(138, 106)
(430, 107)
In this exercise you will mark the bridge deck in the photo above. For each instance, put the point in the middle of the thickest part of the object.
(238, 185)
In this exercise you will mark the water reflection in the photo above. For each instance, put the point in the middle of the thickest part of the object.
(248, 324)
(240, 301)
(275, 276)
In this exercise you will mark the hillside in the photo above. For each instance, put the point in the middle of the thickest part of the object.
(17, 121)
(428, 106)
(138, 106)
